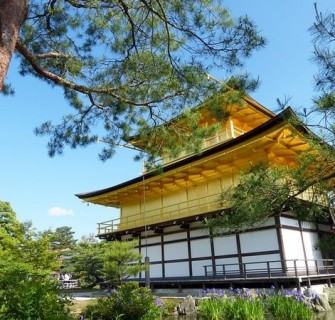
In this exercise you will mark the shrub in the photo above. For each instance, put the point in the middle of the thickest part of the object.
(235, 308)
(129, 302)
(211, 308)
(245, 309)
(27, 294)
(283, 308)
(101, 310)
(168, 307)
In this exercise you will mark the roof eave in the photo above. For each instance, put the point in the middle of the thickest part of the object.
(281, 117)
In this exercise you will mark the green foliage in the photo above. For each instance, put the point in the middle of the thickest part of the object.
(121, 260)
(264, 191)
(61, 242)
(184, 136)
(62, 238)
(237, 308)
(27, 291)
(7, 90)
(8, 222)
(324, 56)
(259, 194)
(37, 251)
(129, 302)
(232, 309)
(126, 65)
(283, 308)
(103, 309)
(168, 307)
(94, 262)
(87, 263)
(211, 309)
(20, 242)
(327, 245)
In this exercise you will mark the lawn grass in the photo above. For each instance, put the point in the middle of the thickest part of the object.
(79, 305)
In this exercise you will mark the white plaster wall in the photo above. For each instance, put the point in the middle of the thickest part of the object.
(177, 250)
(156, 270)
(175, 236)
(293, 248)
(311, 240)
(225, 245)
(199, 232)
(150, 240)
(154, 253)
(256, 241)
(200, 248)
(262, 259)
(177, 269)
(198, 267)
(289, 222)
(227, 262)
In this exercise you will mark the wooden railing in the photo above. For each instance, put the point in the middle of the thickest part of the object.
(272, 268)
(166, 213)
(69, 284)
(221, 136)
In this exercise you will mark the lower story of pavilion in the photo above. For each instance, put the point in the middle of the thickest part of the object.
(281, 251)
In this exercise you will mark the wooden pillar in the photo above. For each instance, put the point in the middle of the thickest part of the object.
(140, 250)
(239, 252)
(147, 272)
(162, 252)
(212, 253)
(308, 282)
(189, 252)
(280, 243)
(303, 246)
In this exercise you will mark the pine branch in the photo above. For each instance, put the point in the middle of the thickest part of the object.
(58, 80)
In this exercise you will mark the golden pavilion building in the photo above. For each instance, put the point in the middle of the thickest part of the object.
(165, 210)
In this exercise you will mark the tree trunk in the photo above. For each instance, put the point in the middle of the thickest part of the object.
(12, 14)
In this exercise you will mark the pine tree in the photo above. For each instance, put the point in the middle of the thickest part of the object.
(323, 31)
(125, 66)
(121, 260)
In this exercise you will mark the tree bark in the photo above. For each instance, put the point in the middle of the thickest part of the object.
(12, 14)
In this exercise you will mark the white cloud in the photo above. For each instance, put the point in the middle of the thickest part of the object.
(59, 212)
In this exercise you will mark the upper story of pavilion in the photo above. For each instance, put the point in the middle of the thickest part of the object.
(239, 119)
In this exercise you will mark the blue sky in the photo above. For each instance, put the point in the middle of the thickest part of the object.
(38, 186)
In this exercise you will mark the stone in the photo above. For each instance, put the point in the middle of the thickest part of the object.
(322, 300)
(175, 313)
(187, 306)
(318, 308)
(331, 295)
(310, 293)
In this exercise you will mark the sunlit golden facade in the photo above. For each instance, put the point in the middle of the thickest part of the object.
(191, 184)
